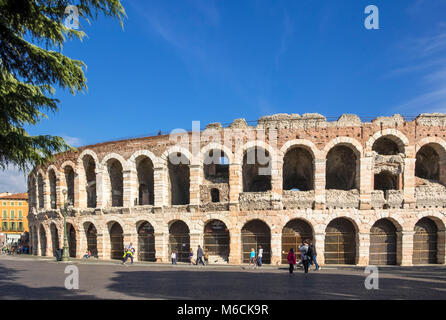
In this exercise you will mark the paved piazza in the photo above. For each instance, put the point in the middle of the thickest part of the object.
(36, 278)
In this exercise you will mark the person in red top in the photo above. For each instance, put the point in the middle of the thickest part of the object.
(291, 260)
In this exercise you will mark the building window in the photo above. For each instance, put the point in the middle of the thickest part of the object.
(12, 214)
(20, 204)
(5, 214)
(20, 214)
(13, 226)
(20, 226)
(4, 203)
(5, 226)
(12, 204)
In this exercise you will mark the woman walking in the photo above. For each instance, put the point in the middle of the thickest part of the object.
(252, 258)
(291, 260)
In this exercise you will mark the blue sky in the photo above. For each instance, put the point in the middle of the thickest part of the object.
(214, 61)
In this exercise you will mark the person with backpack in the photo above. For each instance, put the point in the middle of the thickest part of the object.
(291, 260)
(304, 255)
(128, 253)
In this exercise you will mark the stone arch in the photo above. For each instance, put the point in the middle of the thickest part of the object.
(216, 146)
(164, 158)
(430, 160)
(395, 135)
(216, 241)
(239, 154)
(342, 156)
(90, 153)
(257, 169)
(43, 240)
(88, 167)
(294, 232)
(41, 188)
(146, 241)
(69, 174)
(385, 243)
(178, 176)
(341, 241)
(116, 233)
(92, 236)
(55, 237)
(145, 180)
(114, 180)
(179, 239)
(53, 176)
(428, 241)
(73, 238)
(298, 171)
(255, 234)
(303, 143)
(32, 190)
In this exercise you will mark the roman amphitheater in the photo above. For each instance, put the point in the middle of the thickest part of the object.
(365, 192)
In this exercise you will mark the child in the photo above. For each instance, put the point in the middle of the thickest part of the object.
(174, 257)
(252, 257)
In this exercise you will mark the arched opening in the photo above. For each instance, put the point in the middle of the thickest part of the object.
(385, 181)
(146, 242)
(340, 242)
(341, 168)
(388, 145)
(256, 170)
(40, 187)
(144, 168)
(35, 238)
(425, 242)
(383, 243)
(216, 167)
(54, 238)
(72, 244)
(116, 182)
(293, 234)
(92, 239)
(53, 194)
(179, 179)
(179, 240)
(427, 164)
(256, 233)
(33, 192)
(215, 195)
(69, 180)
(43, 243)
(216, 241)
(298, 170)
(116, 241)
(90, 176)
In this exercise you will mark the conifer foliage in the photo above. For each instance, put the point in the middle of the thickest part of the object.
(32, 66)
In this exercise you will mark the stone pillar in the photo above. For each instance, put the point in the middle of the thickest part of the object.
(81, 188)
(161, 247)
(100, 198)
(49, 243)
(37, 246)
(235, 247)
(194, 184)
(409, 183)
(76, 203)
(100, 245)
(319, 183)
(129, 183)
(363, 248)
(46, 194)
(195, 240)
(59, 194)
(160, 186)
(235, 185)
(366, 183)
(276, 249)
(106, 250)
(82, 241)
(406, 247)
(319, 242)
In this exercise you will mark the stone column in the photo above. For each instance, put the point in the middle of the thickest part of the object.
(319, 183)
(81, 187)
(59, 194)
(406, 247)
(235, 185)
(160, 186)
(276, 248)
(77, 183)
(129, 196)
(161, 247)
(101, 200)
(319, 242)
(194, 184)
(46, 194)
(235, 247)
(195, 240)
(100, 245)
(363, 248)
(106, 250)
(409, 183)
(365, 183)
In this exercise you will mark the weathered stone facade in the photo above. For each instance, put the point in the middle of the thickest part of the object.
(361, 172)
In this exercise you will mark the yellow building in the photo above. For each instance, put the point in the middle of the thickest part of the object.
(13, 216)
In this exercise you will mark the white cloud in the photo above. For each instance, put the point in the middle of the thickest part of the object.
(73, 141)
(12, 180)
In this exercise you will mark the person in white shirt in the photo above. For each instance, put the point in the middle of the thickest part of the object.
(260, 256)
(174, 257)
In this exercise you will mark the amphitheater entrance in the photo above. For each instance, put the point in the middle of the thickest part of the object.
(42, 235)
(340, 242)
(116, 241)
(383, 243)
(146, 242)
(256, 233)
(294, 232)
(216, 241)
(71, 234)
(54, 238)
(92, 239)
(425, 242)
(179, 240)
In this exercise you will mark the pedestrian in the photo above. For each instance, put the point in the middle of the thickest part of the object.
(174, 257)
(191, 256)
(313, 255)
(128, 253)
(291, 260)
(87, 254)
(252, 258)
(200, 255)
(259, 256)
(304, 255)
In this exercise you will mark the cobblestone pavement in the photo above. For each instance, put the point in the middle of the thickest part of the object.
(27, 277)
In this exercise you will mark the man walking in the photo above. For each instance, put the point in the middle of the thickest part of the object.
(200, 255)
(304, 255)
(313, 254)
(259, 256)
